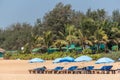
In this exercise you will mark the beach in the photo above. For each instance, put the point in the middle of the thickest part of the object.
(18, 70)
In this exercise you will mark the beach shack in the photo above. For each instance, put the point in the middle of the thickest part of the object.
(2, 51)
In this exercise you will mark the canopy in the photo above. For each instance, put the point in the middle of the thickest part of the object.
(57, 60)
(104, 60)
(67, 59)
(35, 60)
(83, 59)
(36, 49)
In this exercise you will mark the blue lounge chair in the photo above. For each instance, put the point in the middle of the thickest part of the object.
(88, 69)
(37, 70)
(103, 70)
(55, 70)
(84, 70)
(70, 70)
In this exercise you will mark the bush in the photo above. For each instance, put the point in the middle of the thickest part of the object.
(87, 51)
(52, 56)
(7, 56)
(96, 56)
(113, 55)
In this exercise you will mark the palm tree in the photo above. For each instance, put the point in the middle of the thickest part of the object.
(67, 38)
(48, 38)
(82, 39)
(101, 37)
(69, 34)
(59, 44)
(115, 35)
(86, 31)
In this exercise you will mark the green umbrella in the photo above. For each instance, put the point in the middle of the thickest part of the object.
(36, 49)
(50, 50)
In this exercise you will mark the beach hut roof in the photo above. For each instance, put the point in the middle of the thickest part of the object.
(2, 50)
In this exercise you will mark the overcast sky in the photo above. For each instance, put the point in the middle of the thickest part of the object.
(13, 11)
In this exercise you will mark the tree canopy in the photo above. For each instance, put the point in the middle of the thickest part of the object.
(63, 25)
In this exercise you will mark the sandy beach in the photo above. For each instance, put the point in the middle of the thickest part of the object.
(18, 70)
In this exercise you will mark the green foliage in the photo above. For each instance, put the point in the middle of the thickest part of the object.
(115, 48)
(58, 17)
(96, 56)
(52, 56)
(62, 25)
(7, 55)
(113, 55)
(45, 56)
(87, 51)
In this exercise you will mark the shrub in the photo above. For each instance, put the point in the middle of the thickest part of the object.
(87, 51)
(52, 56)
(7, 55)
(96, 56)
(113, 55)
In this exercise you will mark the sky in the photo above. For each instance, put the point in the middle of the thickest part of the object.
(13, 11)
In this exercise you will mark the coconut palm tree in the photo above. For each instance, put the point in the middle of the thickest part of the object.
(82, 39)
(69, 34)
(48, 38)
(67, 38)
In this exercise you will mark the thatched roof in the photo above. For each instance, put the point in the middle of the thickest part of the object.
(2, 50)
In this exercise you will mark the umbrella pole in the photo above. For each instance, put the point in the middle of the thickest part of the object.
(83, 65)
(36, 65)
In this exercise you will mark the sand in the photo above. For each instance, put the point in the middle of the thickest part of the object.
(18, 70)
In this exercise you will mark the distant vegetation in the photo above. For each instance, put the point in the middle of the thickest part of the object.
(52, 56)
(63, 26)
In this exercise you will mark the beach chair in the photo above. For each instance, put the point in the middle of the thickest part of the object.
(118, 70)
(84, 70)
(103, 70)
(55, 70)
(79, 70)
(70, 70)
(37, 70)
(88, 69)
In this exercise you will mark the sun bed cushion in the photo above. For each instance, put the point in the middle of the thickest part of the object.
(89, 67)
(58, 68)
(72, 68)
(41, 68)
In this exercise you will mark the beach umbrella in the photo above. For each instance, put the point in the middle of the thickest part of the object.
(119, 59)
(104, 60)
(83, 59)
(67, 59)
(64, 60)
(57, 60)
(36, 60)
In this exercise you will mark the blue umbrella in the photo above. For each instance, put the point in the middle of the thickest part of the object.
(119, 59)
(67, 59)
(36, 60)
(83, 59)
(57, 60)
(104, 60)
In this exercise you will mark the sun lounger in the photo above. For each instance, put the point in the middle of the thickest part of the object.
(70, 70)
(103, 70)
(55, 70)
(88, 69)
(37, 70)
(117, 71)
(84, 70)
